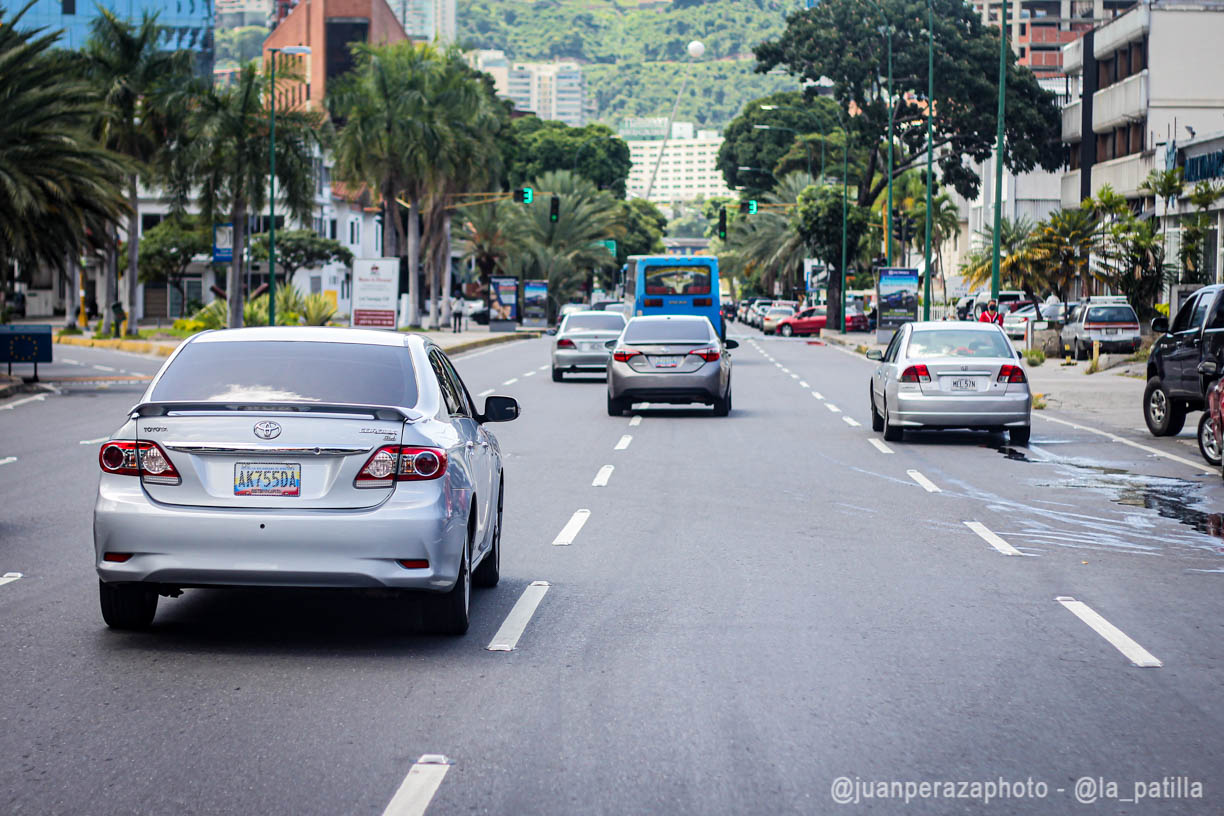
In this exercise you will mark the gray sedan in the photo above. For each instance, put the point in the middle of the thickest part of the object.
(950, 375)
(670, 359)
(580, 342)
(302, 457)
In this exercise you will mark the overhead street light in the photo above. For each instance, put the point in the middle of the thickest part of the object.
(695, 49)
(292, 50)
(806, 146)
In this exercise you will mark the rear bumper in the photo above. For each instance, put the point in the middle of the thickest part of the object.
(568, 360)
(913, 410)
(703, 385)
(198, 546)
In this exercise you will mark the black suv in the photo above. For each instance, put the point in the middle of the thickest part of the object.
(1175, 385)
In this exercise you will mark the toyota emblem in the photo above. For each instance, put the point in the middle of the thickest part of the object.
(267, 429)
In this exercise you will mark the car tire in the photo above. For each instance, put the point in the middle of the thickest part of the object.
(127, 606)
(557, 375)
(1164, 415)
(877, 421)
(449, 613)
(722, 407)
(787, 331)
(489, 572)
(892, 433)
(1020, 436)
(1208, 445)
(616, 407)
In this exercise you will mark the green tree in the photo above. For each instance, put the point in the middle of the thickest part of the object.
(1191, 253)
(240, 45)
(770, 241)
(168, 249)
(484, 237)
(802, 126)
(644, 228)
(945, 223)
(1167, 185)
(839, 39)
(1020, 266)
(300, 249)
(818, 219)
(594, 152)
(1063, 244)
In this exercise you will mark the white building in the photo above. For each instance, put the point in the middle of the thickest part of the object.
(688, 170)
(551, 90)
(427, 19)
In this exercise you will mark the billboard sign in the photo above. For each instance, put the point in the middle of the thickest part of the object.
(375, 292)
(896, 299)
(535, 303)
(503, 298)
(223, 243)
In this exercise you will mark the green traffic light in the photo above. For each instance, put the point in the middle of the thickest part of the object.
(752, 207)
(528, 195)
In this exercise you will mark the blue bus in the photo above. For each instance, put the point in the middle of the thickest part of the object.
(675, 284)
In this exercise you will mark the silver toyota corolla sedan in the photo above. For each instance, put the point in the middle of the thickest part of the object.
(302, 457)
(950, 375)
(670, 359)
(579, 344)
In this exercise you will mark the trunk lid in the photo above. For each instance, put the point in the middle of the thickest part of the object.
(666, 358)
(965, 378)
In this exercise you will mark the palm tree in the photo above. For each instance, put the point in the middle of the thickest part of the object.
(1164, 185)
(1063, 244)
(139, 82)
(945, 222)
(56, 181)
(770, 240)
(1019, 266)
(226, 159)
(484, 238)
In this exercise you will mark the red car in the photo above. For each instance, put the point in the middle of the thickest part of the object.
(806, 321)
(857, 321)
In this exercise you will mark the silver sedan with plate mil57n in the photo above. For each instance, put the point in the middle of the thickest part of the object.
(580, 342)
(302, 457)
(950, 375)
(670, 359)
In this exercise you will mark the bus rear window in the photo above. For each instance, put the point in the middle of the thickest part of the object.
(677, 280)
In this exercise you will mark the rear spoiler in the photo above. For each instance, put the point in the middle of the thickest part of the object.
(385, 412)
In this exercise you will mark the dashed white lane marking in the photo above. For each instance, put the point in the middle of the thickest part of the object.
(511, 381)
(71, 362)
(602, 477)
(542, 368)
(419, 786)
(515, 624)
(794, 376)
(485, 392)
(99, 440)
(8, 460)
(570, 531)
(878, 445)
(926, 483)
(23, 401)
(777, 365)
(624, 442)
(528, 373)
(1135, 653)
(992, 539)
(832, 407)
(9, 577)
(103, 368)
(633, 423)
(853, 423)
(1114, 437)
(802, 384)
(818, 395)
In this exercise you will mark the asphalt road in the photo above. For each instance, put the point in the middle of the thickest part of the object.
(755, 607)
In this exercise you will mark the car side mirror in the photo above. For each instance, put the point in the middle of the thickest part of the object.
(875, 354)
(1160, 325)
(1208, 368)
(500, 409)
(730, 344)
(551, 331)
(611, 344)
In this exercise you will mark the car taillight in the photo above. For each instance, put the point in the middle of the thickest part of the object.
(1011, 374)
(144, 459)
(565, 342)
(916, 373)
(622, 355)
(708, 354)
(401, 463)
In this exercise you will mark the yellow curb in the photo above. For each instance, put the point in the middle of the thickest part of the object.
(137, 346)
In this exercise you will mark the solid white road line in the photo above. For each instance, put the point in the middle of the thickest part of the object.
(1114, 437)
(23, 401)
(878, 445)
(485, 392)
(9, 577)
(515, 624)
(570, 531)
(818, 395)
(1135, 653)
(992, 539)
(853, 423)
(419, 786)
(832, 407)
(8, 460)
(602, 477)
(529, 374)
(103, 368)
(99, 440)
(624, 442)
(511, 381)
(926, 483)
(802, 384)
(633, 423)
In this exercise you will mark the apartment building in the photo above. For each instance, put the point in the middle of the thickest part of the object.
(238, 13)
(688, 170)
(189, 26)
(551, 90)
(429, 20)
(1038, 29)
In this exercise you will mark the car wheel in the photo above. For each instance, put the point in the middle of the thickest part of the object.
(1080, 352)
(1020, 436)
(489, 571)
(892, 433)
(127, 606)
(449, 613)
(557, 375)
(722, 407)
(616, 407)
(877, 421)
(787, 331)
(1209, 446)
(1164, 415)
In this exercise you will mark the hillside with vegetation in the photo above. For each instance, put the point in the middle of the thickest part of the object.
(635, 52)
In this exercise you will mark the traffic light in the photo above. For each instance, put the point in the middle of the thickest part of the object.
(554, 209)
(749, 207)
(902, 226)
(722, 224)
(524, 196)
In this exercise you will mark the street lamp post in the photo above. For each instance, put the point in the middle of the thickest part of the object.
(293, 50)
(841, 307)
(926, 293)
(888, 30)
(806, 146)
(998, 190)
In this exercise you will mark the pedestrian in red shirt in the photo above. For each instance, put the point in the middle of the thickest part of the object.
(991, 315)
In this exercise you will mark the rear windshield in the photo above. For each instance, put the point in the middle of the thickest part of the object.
(278, 371)
(677, 280)
(667, 331)
(610, 321)
(958, 343)
(1111, 314)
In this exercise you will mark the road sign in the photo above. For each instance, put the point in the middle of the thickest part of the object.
(375, 290)
(609, 244)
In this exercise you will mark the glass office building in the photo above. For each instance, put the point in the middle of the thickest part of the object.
(188, 23)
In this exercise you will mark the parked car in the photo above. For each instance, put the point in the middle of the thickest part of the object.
(1108, 320)
(1211, 424)
(571, 308)
(856, 320)
(746, 305)
(806, 321)
(670, 359)
(964, 308)
(1015, 322)
(1005, 298)
(756, 314)
(1175, 386)
(775, 314)
(950, 375)
(578, 344)
(302, 457)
